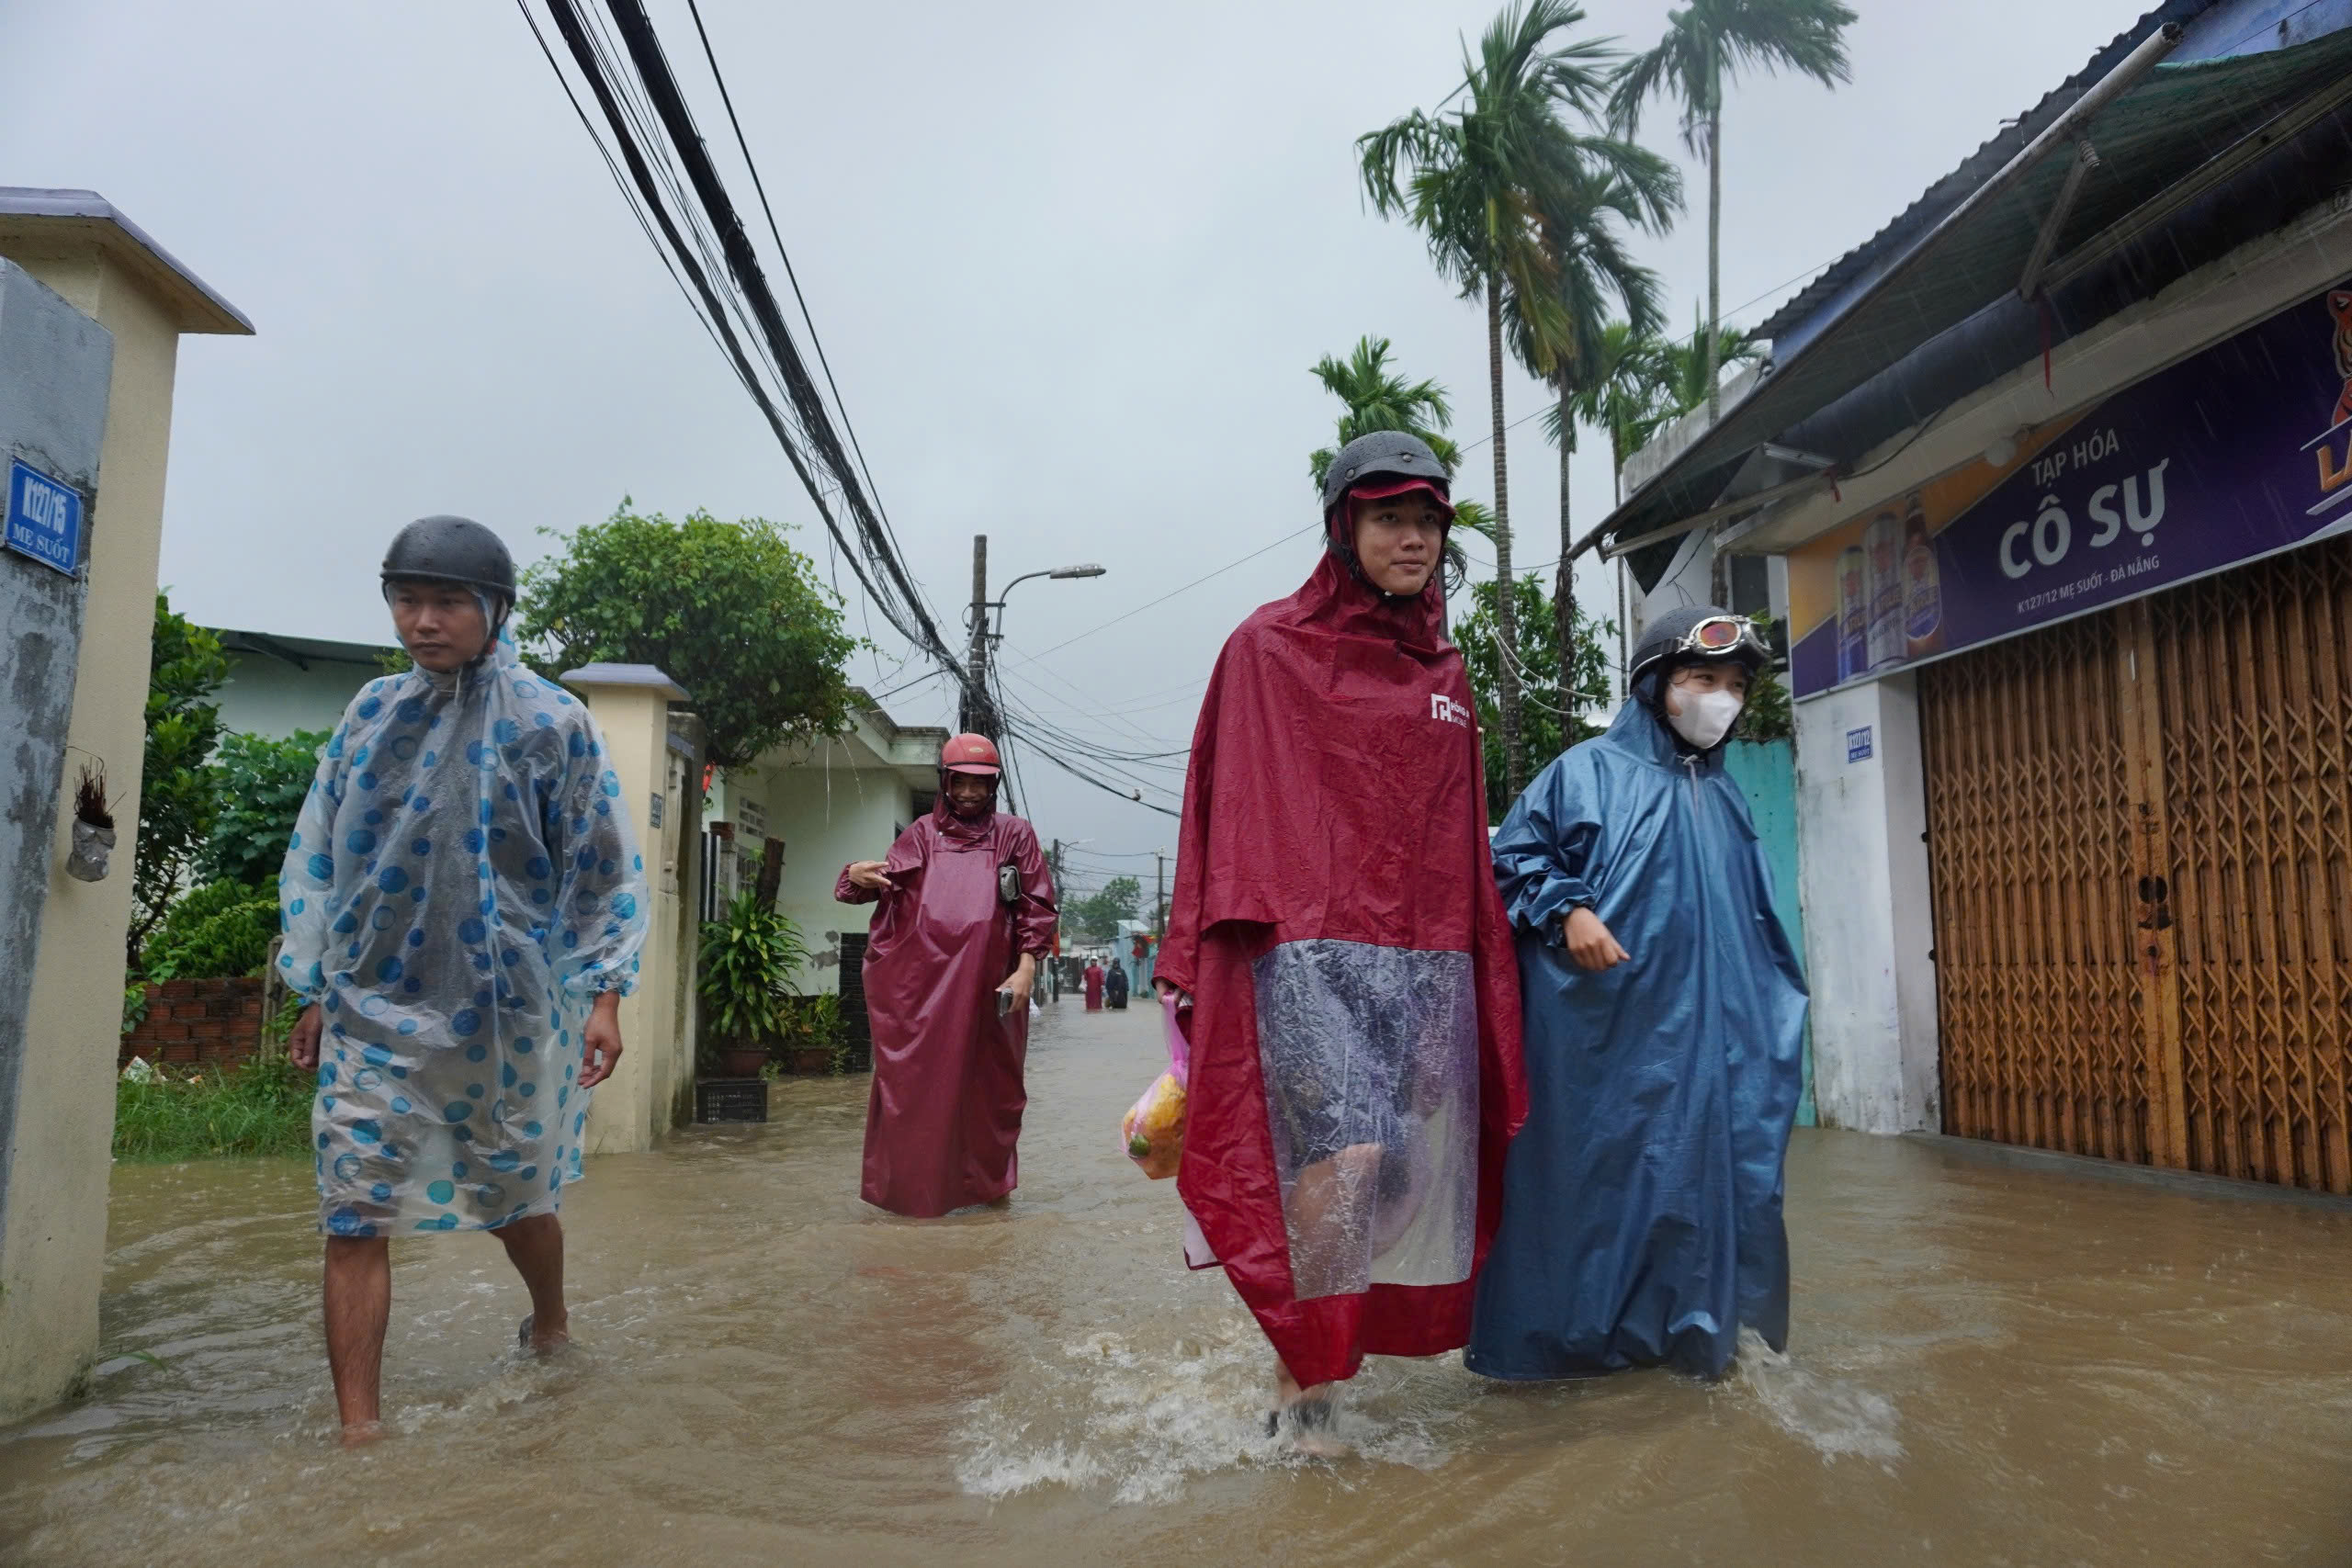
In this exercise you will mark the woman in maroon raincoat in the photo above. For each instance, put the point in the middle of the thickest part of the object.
(967, 910)
(1354, 1020)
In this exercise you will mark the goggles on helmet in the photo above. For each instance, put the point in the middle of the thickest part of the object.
(1717, 637)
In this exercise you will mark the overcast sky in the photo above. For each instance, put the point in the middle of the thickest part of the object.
(1070, 263)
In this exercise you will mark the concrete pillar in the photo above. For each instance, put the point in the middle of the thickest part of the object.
(633, 1107)
(1862, 810)
(54, 1225)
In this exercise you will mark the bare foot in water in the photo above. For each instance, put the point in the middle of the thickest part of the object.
(543, 1341)
(1306, 1415)
(359, 1433)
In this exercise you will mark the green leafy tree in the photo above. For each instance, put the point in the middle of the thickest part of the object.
(220, 929)
(185, 668)
(1098, 916)
(1471, 178)
(729, 611)
(1552, 725)
(258, 787)
(1706, 41)
(1377, 398)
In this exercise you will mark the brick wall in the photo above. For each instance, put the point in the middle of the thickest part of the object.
(198, 1020)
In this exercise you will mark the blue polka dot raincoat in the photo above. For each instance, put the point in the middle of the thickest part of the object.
(462, 883)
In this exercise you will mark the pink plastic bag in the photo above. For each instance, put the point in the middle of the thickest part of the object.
(1153, 1127)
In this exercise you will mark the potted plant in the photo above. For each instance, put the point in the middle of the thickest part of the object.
(814, 1041)
(748, 961)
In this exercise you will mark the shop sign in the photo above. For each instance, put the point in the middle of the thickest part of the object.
(2239, 451)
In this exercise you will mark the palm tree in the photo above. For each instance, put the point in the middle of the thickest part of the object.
(1625, 395)
(1686, 368)
(1477, 173)
(1378, 399)
(1582, 217)
(1705, 41)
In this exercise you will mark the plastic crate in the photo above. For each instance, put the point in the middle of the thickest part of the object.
(731, 1099)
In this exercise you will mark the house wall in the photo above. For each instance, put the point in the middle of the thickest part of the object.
(268, 696)
(827, 818)
(1870, 930)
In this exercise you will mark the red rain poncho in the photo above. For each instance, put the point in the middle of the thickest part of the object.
(945, 1109)
(1355, 1069)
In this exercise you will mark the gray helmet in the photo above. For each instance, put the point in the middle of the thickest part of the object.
(452, 549)
(1698, 633)
(1383, 453)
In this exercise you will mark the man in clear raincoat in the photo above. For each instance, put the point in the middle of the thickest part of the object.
(1664, 1013)
(463, 903)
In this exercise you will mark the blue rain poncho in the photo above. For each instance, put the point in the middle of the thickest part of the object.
(461, 884)
(1642, 1201)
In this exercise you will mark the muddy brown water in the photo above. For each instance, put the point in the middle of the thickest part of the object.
(1990, 1366)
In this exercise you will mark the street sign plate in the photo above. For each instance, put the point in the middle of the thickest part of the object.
(44, 519)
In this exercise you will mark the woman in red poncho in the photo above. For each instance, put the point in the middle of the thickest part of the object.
(1353, 996)
(967, 909)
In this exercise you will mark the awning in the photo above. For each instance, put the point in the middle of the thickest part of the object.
(2151, 143)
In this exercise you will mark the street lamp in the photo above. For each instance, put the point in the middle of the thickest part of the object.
(1086, 569)
(979, 713)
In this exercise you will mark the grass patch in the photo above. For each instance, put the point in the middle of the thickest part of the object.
(254, 1107)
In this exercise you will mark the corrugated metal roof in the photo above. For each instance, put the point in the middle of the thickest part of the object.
(2170, 122)
(1979, 166)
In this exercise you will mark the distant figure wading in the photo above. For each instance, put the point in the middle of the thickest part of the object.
(967, 911)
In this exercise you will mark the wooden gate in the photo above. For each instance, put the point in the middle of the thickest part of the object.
(2140, 834)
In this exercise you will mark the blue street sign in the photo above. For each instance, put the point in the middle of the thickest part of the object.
(1858, 744)
(44, 519)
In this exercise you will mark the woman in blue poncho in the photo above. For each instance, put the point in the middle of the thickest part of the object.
(1665, 1012)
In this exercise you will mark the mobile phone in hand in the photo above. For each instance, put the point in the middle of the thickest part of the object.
(1004, 1002)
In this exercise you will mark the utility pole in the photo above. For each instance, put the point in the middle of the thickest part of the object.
(1159, 893)
(1053, 961)
(978, 715)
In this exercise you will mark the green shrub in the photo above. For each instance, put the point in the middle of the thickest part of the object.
(220, 929)
(816, 1022)
(749, 960)
(254, 1108)
(258, 787)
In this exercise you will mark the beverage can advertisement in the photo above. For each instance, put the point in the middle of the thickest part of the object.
(2239, 451)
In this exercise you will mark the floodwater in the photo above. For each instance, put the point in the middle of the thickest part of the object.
(1990, 1366)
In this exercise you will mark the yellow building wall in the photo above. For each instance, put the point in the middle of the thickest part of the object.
(634, 1107)
(54, 1249)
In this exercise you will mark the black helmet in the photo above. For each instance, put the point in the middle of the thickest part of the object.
(1697, 633)
(452, 549)
(1389, 453)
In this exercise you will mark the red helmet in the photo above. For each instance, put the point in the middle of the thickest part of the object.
(970, 754)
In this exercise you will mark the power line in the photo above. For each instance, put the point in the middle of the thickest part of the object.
(1162, 599)
(669, 105)
(732, 289)
(694, 9)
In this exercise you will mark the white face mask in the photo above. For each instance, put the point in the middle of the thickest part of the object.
(1706, 716)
